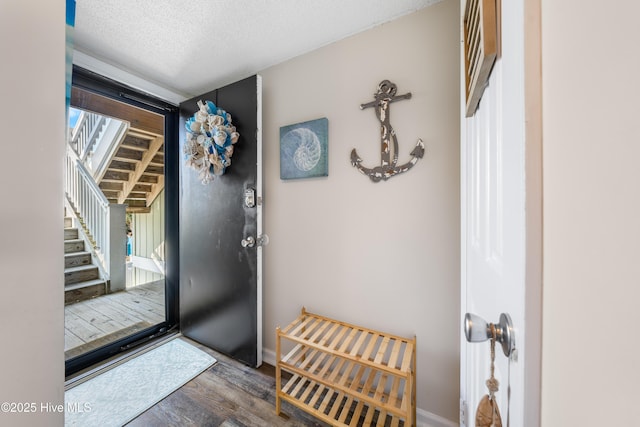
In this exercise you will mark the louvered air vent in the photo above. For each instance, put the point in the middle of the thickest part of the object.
(479, 48)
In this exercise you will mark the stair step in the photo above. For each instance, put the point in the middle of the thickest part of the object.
(75, 259)
(68, 222)
(85, 284)
(75, 245)
(84, 290)
(70, 233)
(80, 274)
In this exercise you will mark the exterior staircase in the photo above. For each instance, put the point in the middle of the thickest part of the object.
(133, 172)
(81, 276)
(135, 175)
(114, 166)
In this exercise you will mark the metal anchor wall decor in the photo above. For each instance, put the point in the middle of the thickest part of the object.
(389, 167)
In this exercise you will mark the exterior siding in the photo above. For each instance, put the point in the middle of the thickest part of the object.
(148, 241)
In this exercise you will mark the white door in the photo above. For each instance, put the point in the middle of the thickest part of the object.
(498, 260)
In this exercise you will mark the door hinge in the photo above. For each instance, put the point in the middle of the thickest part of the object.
(463, 413)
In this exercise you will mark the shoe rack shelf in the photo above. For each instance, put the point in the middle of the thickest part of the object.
(344, 374)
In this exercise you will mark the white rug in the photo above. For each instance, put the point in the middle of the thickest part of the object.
(117, 396)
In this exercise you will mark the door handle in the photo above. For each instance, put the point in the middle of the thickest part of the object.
(250, 242)
(476, 329)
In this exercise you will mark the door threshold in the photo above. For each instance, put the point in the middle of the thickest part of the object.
(110, 363)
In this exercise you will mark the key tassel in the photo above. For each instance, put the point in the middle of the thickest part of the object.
(488, 413)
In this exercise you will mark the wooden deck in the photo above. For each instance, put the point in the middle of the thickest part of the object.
(93, 323)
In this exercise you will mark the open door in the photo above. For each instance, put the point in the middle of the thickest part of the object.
(123, 148)
(220, 230)
(501, 228)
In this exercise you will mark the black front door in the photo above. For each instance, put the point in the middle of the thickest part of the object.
(220, 298)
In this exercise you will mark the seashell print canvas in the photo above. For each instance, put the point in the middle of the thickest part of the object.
(304, 149)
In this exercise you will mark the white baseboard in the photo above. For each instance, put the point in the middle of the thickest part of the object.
(269, 356)
(427, 419)
(423, 418)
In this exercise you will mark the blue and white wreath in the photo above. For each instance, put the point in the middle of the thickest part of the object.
(210, 139)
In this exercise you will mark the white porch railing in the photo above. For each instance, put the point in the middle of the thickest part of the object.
(103, 224)
(86, 133)
(89, 204)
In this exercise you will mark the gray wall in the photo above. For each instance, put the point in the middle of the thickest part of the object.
(590, 373)
(32, 119)
(384, 255)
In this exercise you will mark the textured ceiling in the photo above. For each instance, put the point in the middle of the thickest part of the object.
(194, 46)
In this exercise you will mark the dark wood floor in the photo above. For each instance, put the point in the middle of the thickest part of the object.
(228, 394)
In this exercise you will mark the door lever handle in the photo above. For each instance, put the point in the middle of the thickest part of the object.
(476, 329)
(251, 241)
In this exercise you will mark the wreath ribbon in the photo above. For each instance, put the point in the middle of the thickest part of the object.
(210, 140)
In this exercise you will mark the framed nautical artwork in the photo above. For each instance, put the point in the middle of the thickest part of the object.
(304, 149)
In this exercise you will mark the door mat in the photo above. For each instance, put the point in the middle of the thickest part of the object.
(117, 396)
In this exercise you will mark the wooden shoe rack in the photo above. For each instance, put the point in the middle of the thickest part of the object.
(346, 375)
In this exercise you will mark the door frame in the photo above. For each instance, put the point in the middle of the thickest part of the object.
(533, 132)
(93, 82)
